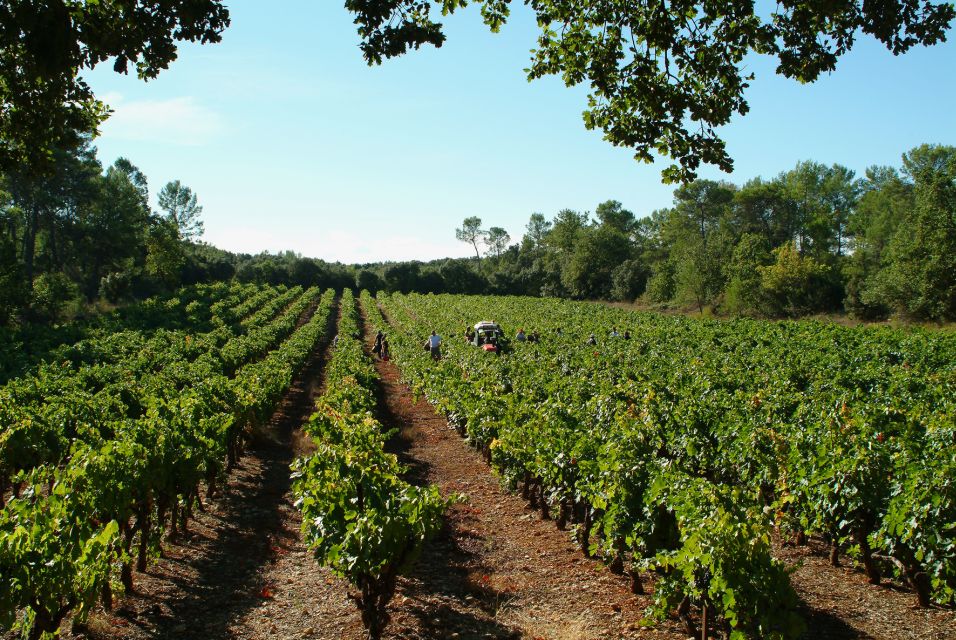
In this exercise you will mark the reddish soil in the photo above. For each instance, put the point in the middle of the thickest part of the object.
(841, 604)
(496, 570)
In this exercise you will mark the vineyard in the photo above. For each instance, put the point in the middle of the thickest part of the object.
(682, 459)
(110, 441)
(679, 452)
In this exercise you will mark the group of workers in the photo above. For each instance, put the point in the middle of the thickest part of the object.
(592, 341)
(433, 342)
(531, 337)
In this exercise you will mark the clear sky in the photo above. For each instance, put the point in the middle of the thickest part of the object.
(292, 143)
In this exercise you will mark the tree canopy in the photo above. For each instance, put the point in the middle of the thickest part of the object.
(46, 44)
(664, 76)
(182, 209)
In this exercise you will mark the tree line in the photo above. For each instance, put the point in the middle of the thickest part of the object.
(814, 239)
(77, 236)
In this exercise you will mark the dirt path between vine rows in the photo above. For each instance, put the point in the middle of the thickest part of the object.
(496, 570)
(839, 604)
(242, 570)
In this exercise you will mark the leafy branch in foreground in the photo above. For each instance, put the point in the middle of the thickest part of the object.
(664, 77)
(45, 45)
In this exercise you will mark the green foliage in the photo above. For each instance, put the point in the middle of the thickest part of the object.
(114, 435)
(613, 215)
(628, 280)
(367, 279)
(699, 245)
(496, 239)
(598, 251)
(721, 557)
(791, 281)
(662, 285)
(53, 295)
(663, 80)
(54, 555)
(182, 209)
(680, 450)
(920, 275)
(458, 277)
(472, 233)
(744, 295)
(360, 518)
(165, 256)
(402, 277)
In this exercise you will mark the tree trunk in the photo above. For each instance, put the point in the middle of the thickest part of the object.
(922, 584)
(126, 571)
(616, 566)
(564, 512)
(30, 244)
(872, 571)
(161, 510)
(106, 595)
(144, 530)
(55, 253)
(637, 585)
(584, 533)
(683, 613)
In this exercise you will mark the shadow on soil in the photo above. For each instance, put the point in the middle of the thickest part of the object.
(251, 523)
(446, 572)
(826, 626)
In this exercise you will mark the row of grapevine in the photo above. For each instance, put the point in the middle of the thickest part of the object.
(134, 463)
(104, 379)
(683, 448)
(359, 516)
(194, 308)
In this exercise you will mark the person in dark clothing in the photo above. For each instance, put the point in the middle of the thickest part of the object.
(377, 347)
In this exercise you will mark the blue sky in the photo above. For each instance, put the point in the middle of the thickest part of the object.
(291, 142)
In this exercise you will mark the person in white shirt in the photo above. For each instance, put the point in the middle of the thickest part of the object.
(434, 344)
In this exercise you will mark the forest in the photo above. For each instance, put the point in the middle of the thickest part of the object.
(815, 239)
